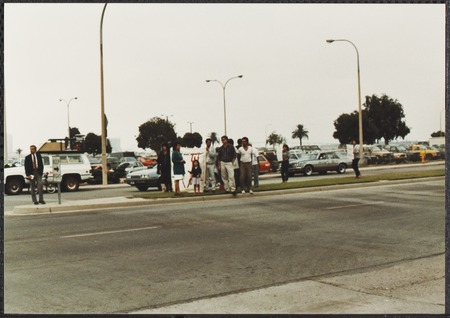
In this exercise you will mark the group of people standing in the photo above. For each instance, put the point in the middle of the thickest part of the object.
(230, 166)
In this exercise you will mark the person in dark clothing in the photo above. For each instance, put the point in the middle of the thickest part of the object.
(178, 167)
(196, 173)
(164, 168)
(285, 164)
(34, 169)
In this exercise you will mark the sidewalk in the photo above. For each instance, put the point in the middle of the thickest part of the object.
(415, 286)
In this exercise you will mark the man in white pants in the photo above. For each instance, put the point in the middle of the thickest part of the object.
(210, 160)
(226, 155)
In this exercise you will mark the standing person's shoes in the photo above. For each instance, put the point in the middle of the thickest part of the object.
(251, 192)
(234, 193)
(41, 202)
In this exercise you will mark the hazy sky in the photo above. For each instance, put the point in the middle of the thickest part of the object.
(158, 56)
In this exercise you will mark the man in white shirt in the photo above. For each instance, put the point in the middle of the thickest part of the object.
(355, 160)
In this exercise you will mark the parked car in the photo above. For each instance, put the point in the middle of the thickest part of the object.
(144, 179)
(410, 156)
(127, 159)
(429, 152)
(375, 154)
(397, 155)
(263, 164)
(321, 162)
(149, 162)
(123, 169)
(97, 173)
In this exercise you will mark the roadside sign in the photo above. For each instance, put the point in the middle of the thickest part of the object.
(56, 169)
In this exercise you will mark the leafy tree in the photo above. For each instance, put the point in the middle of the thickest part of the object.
(155, 132)
(300, 133)
(347, 128)
(438, 133)
(192, 140)
(275, 139)
(93, 144)
(214, 138)
(387, 115)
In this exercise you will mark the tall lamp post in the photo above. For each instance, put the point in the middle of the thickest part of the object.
(190, 124)
(68, 118)
(361, 144)
(224, 103)
(102, 108)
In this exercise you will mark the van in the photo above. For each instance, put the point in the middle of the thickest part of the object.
(75, 169)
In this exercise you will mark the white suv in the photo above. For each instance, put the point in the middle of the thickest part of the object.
(75, 169)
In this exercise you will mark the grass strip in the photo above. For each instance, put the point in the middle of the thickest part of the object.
(278, 185)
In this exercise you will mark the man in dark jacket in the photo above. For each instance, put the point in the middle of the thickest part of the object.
(34, 168)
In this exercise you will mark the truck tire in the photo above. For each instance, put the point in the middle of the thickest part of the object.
(13, 186)
(71, 183)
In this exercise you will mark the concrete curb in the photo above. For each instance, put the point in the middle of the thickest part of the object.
(95, 204)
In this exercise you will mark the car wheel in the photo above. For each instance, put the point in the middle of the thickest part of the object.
(71, 183)
(14, 186)
(341, 168)
(142, 187)
(428, 157)
(308, 170)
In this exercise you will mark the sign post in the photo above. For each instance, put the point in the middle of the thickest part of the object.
(57, 175)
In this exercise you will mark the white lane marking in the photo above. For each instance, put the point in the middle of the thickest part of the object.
(110, 232)
(353, 205)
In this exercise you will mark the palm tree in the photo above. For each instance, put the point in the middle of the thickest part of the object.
(275, 139)
(300, 133)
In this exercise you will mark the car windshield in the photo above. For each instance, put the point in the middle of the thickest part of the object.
(310, 156)
(296, 156)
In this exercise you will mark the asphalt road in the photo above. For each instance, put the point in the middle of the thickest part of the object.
(132, 259)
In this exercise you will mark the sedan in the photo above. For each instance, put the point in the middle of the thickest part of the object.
(320, 162)
(124, 168)
(144, 179)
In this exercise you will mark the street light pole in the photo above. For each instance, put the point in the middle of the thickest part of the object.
(361, 143)
(190, 124)
(102, 107)
(68, 118)
(440, 122)
(224, 102)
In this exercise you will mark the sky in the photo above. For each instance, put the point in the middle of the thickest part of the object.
(157, 58)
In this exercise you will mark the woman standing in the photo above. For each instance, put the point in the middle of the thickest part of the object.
(285, 163)
(178, 167)
(164, 168)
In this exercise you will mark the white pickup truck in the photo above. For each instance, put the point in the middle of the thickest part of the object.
(75, 169)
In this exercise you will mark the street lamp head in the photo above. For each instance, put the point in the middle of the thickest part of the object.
(240, 76)
(207, 81)
(75, 97)
(330, 41)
